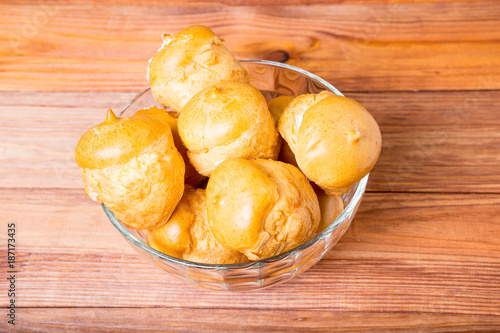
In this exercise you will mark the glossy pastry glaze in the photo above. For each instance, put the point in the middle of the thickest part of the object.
(132, 166)
(227, 120)
(188, 62)
(277, 106)
(261, 207)
(187, 235)
(191, 176)
(291, 117)
(335, 140)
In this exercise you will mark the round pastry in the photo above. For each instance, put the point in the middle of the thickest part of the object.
(132, 166)
(276, 107)
(186, 235)
(188, 62)
(335, 140)
(261, 207)
(191, 176)
(227, 120)
(291, 117)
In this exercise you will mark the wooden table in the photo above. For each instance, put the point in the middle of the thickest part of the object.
(423, 253)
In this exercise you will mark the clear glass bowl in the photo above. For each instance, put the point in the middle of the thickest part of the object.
(272, 79)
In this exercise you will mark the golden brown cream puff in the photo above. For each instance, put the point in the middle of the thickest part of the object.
(132, 166)
(276, 107)
(227, 120)
(336, 142)
(290, 120)
(187, 235)
(188, 62)
(191, 176)
(261, 207)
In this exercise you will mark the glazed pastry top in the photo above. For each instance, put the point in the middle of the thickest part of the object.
(117, 140)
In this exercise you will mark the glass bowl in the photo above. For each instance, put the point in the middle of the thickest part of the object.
(272, 79)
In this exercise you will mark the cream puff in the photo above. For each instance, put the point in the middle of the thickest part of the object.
(191, 176)
(261, 208)
(276, 107)
(291, 120)
(187, 235)
(132, 166)
(335, 140)
(188, 62)
(227, 120)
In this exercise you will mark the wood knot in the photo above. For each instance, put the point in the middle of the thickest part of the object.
(278, 56)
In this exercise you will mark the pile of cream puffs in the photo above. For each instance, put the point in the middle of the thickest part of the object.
(226, 177)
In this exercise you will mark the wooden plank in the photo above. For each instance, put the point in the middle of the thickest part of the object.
(39, 133)
(79, 47)
(241, 320)
(432, 253)
(424, 178)
(410, 262)
(208, 3)
(432, 141)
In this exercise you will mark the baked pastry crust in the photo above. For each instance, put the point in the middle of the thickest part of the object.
(261, 207)
(292, 115)
(191, 176)
(277, 106)
(132, 166)
(336, 142)
(189, 61)
(187, 235)
(227, 120)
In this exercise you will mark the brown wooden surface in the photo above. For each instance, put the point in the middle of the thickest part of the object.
(184, 320)
(423, 253)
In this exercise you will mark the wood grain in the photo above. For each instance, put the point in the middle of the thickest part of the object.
(432, 141)
(423, 254)
(424, 178)
(233, 3)
(431, 253)
(80, 47)
(221, 320)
